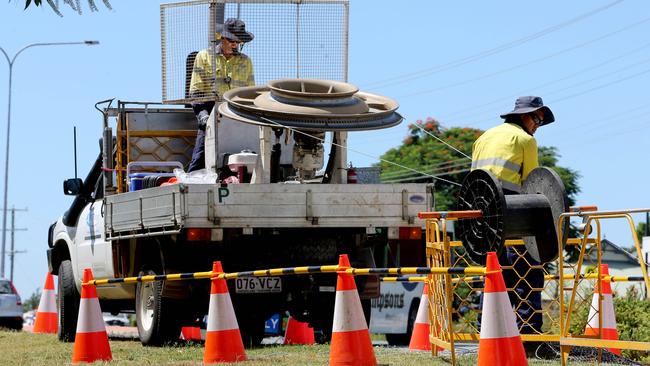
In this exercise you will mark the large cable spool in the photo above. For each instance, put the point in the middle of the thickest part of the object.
(310, 105)
(531, 215)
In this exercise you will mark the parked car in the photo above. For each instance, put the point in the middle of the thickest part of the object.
(11, 309)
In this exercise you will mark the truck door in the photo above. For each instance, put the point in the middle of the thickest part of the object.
(92, 248)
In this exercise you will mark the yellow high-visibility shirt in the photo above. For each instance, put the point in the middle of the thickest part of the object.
(231, 73)
(508, 152)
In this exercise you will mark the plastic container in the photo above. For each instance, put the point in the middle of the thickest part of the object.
(135, 179)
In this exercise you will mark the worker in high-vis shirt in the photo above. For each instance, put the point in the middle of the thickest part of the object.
(214, 73)
(509, 151)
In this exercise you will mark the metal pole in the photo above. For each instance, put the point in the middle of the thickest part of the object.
(6, 179)
(4, 210)
(13, 228)
(74, 132)
(12, 253)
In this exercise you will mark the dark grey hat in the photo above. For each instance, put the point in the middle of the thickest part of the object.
(524, 105)
(235, 29)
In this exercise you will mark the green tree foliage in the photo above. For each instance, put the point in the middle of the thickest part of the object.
(424, 153)
(73, 4)
(32, 301)
(640, 230)
(632, 320)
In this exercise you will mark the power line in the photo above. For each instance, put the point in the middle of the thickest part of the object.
(463, 112)
(440, 165)
(611, 118)
(425, 176)
(400, 79)
(525, 64)
(442, 141)
(617, 131)
(571, 96)
(356, 151)
(585, 91)
(435, 171)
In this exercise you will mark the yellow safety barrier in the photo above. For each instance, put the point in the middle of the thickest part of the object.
(568, 338)
(451, 298)
(289, 271)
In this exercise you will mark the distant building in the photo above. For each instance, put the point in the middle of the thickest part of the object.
(621, 263)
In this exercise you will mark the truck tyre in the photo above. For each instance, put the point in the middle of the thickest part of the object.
(404, 339)
(67, 303)
(157, 318)
(16, 324)
(252, 332)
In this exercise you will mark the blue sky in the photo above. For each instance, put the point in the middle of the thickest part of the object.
(462, 62)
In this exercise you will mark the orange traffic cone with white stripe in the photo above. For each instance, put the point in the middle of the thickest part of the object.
(223, 341)
(500, 342)
(91, 341)
(191, 333)
(609, 316)
(351, 345)
(298, 332)
(46, 315)
(420, 335)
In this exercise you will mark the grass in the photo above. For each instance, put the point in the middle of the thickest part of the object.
(22, 348)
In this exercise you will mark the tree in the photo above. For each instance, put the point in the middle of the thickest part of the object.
(641, 230)
(32, 301)
(73, 4)
(423, 152)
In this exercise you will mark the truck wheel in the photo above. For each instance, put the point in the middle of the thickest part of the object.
(404, 339)
(366, 305)
(16, 324)
(323, 335)
(67, 303)
(252, 333)
(156, 316)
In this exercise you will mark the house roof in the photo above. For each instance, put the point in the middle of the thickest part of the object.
(614, 253)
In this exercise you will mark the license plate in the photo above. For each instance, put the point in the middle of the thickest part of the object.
(258, 285)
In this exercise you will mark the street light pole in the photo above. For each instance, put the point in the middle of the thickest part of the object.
(6, 181)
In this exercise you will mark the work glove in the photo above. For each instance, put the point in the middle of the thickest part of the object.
(202, 117)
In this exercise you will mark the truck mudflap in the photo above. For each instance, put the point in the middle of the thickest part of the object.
(165, 210)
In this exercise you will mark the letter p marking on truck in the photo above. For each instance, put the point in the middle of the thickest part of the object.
(223, 193)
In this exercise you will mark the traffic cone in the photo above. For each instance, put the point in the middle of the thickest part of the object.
(191, 333)
(351, 345)
(91, 341)
(46, 315)
(223, 341)
(420, 335)
(298, 333)
(609, 316)
(500, 342)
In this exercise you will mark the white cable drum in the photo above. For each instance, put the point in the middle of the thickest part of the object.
(311, 104)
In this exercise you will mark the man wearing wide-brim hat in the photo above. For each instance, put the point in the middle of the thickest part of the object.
(210, 80)
(509, 151)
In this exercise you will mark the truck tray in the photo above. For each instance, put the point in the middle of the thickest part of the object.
(164, 210)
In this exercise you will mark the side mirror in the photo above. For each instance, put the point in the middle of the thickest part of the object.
(72, 186)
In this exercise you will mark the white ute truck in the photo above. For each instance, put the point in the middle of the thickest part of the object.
(265, 200)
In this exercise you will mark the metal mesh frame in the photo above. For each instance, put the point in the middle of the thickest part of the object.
(453, 299)
(164, 136)
(293, 39)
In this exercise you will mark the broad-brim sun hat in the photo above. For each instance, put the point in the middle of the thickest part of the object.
(235, 30)
(528, 104)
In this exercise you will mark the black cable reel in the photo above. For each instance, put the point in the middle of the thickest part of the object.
(532, 215)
